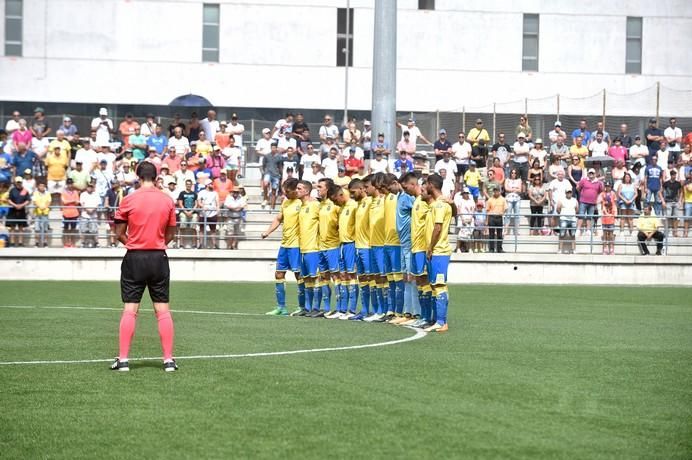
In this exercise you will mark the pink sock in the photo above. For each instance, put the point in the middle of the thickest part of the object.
(166, 333)
(127, 331)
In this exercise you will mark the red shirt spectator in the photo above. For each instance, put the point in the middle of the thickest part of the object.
(589, 188)
(353, 165)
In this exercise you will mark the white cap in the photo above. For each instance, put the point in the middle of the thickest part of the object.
(207, 181)
(103, 111)
(266, 130)
(521, 135)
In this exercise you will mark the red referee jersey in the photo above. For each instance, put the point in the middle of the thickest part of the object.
(147, 212)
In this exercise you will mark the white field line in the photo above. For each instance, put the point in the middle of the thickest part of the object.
(419, 334)
(77, 307)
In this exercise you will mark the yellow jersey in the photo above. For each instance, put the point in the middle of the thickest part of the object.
(472, 178)
(329, 225)
(347, 222)
(363, 224)
(65, 147)
(309, 222)
(290, 209)
(391, 236)
(377, 221)
(582, 152)
(441, 214)
(419, 215)
(41, 201)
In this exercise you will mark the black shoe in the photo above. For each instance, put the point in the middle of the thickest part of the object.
(381, 319)
(658, 253)
(122, 366)
(302, 312)
(317, 314)
(170, 366)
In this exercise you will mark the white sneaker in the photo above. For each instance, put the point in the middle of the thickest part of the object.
(264, 204)
(370, 318)
(333, 315)
(346, 316)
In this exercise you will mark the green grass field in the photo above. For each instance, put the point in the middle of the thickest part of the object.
(525, 372)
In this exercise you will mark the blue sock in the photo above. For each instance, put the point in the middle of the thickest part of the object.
(317, 297)
(365, 299)
(343, 298)
(309, 294)
(326, 296)
(383, 298)
(442, 301)
(423, 305)
(374, 300)
(301, 294)
(391, 296)
(352, 297)
(280, 290)
(398, 296)
(431, 307)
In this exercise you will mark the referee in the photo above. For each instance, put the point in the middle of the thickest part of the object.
(145, 224)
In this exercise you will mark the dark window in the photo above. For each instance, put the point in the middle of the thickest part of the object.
(344, 37)
(210, 33)
(13, 28)
(426, 4)
(633, 53)
(529, 55)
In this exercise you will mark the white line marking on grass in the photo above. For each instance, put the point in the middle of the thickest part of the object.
(76, 307)
(419, 334)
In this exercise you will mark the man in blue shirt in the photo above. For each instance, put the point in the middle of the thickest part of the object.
(582, 131)
(404, 205)
(403, 165)
(653, 174)
(159, 141)
(22, 159)
(442, 145)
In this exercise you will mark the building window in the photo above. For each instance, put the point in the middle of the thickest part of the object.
(633, 53)
(529, 56)
(344, 37)
(13, 27)
(426, 4)
(210, 33)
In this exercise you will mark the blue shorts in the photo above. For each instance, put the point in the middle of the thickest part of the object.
(310, 264)
(4, 211)
(273, 181)
(329, 260)
(392, 259)
(347, 261)
(406, 259)
(438, 270)
(474, 191)
(419, 263)
(377, 260)
(288, 259)
(363, 261)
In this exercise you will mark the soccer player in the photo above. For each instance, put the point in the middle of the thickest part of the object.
(329, 246)
(357, 188)
(348, 296)
(404, 205)
(439, 251)
(392, 249)
(288, 257)
(378, 281)
(419, 246)
(145, 224)
(309, 224)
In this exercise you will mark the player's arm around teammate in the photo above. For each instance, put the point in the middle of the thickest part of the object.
(439, 252)
(145, 224)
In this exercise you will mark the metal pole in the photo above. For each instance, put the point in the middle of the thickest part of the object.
(347, 51)
(463, 119)
(658, 99)
(437, 122)
(384, 71)
(558, 107)
(603, 118)
(526, 109)
(494, 122)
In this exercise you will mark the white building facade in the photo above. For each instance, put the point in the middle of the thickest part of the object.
(285, 53)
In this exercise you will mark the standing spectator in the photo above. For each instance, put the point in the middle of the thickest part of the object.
(13, 123)
(617, 151)
(209, 203)
(627, 194)
(557, 133)
(497, 171)
(598, 146)
(285, 125)
(378, 164)
(479, 154)
(157, 140)
(177, 122)
(291, 163)
(442, 146)
(39, 124)
(179, 141)
(22, 135)
(381, 145)
(203, 146)
(673, 135)
(103, 127)
(567, 210)
(216, 162)
(71, 130)
(653, 137)
(235, 204)
(56, 165)
(328, 129)
(138, 143)
(480, 227)
(496, 207)
(638, 150)
(149, 127)
(648, 227)
(554, 167)
(653, 174)
(625, 136)
(608, 211)
(413, 131)
(520, 156)
(89, 202)
(264, 145)
(301, 132)
(672, 202)
(589, 188)
(525, 128)
(501, 150)
(462, 154)
(29, 182)
(579, 150)
(209, 125)
(101, 179)
(39, 145)
(271, 167)
(127, 128)
(513, 189)
(557, 189)
(352, 164)
(69, 200)
(352, 133)
(405, 144)
(23, 158)
(538, 196)
(472, 180)
(79, 176)
(583, 132)
(287, 141)
(618, 172)
(538, 153)
(234, 159)
(663, 154)
(173, 159)
(114, 196)
(606, 135)
(41, 200)
(366, 139)
(222, 137)
(314, 174)
(465, 209)
(311, 156)
(478, 133)
(19, 199)
(330, 165)
(187, 203)
(687, 201)
(86, 156)
(60, 141)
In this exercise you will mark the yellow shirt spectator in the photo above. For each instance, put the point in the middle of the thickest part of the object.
(582, 152)
(290, 209)
(363, 224)
(648, 224)
(419, 215)
(391, 236)
(309, 222)
(475, 134)
(41, 202)
(65, 147)
(329, 225)
(442, 214)
(472, 178)
(377, 222)
(347, 222)
(203, 148)
(57, 166)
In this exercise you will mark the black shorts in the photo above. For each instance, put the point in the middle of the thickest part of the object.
(69, 223)
(16, 218)
(141, 269)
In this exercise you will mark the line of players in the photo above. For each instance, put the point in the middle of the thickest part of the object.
(382, 239)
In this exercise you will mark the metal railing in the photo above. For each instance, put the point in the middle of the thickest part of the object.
(528, 233)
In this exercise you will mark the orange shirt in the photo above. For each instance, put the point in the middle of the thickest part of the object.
(126, 130)
(223, 139)
(223, 188)
(70, 201)
(496, 206)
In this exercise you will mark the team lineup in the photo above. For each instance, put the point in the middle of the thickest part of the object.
(381, 239)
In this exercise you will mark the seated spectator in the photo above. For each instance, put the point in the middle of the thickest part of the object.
(406, 144)
(149, 127)
(404, 164)
(648, 227)
(448, 185)
(158, 141)
(442, 146)
(554, 167)
(80, 177)
(222, 137)
(352, 134)
(536, 171)
(342, 180)
(103, 126)
(87, 156)
(381, 145)
(445, 162)
(194, 127)
(13, 123)
(180, 142)
(330, 165)
(557, 133)
(472, 180)
(23, 158)
(378, 164)
(216, 162)
(352, 164)
(127, 128)
(314, 174)
(538, 153)
(138, 143)
(22, 134)
(173, 159)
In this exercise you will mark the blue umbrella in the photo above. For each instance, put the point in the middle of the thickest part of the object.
(190, 100)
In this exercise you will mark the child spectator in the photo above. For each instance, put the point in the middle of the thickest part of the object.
(608, 211)
(41, 200)
(479, 228)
